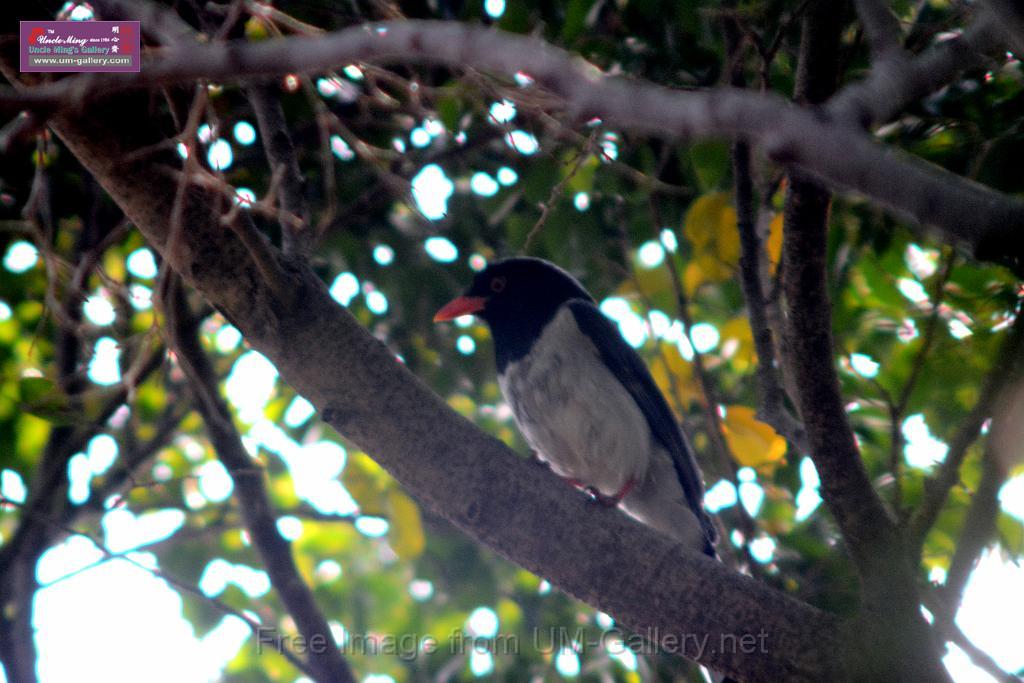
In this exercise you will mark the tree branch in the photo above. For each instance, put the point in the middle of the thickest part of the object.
(950, 631)
(253, 501)
(158, 21)
(894, 84)
(961, 212)
(882, 29)
(772, 407)
(1011, 22)
(1005, 367)
(902, 647)
(280, 151)
(848, 491)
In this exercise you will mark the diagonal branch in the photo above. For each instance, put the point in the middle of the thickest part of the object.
(503, 501)
(253, 501)
(893, 84)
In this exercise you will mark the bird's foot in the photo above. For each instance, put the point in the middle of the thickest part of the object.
(595, 496)
(606, 500)
(537, 459)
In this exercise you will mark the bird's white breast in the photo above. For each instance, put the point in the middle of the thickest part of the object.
(574, 412)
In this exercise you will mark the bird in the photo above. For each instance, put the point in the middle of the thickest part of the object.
(583, 398)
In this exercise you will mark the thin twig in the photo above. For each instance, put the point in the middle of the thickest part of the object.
(280, 152)
(947, 628)
(937, 489)
(556, 191)
(253, 500)
(752, 271)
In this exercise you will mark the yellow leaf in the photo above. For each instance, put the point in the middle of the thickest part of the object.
(713, 268)
(256, 29)
(674, 376)
(752, 442)
(30, 435)
(405, 534)
(651, 281)
(728, 242)
(693, 277)
(510, 614)
(462, 404)
(366, 482)
(774, 243)
(710, 225)
(738, 342)
(703, 218)
(113, 265)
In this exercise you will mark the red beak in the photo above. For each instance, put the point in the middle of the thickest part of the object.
(463, 305)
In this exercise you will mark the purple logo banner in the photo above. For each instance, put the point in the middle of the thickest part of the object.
(77, 46)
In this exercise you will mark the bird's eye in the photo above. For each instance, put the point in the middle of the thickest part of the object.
(498, 284)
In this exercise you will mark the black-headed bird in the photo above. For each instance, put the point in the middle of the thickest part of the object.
(583, 398)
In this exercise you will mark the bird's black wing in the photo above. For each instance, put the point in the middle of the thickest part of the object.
(630, 370)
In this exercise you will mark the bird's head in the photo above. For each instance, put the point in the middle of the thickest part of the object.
(522, 293)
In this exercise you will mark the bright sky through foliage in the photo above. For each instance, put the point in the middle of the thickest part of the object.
(344, 288)
(494, 8)
(441, 249)
(431, 189)
(506, 176)
(341, 149)
(523, 142)
(142, 264)
(20, 256)
(483, 184)
(219, 156)
(104, 368)
(244, 133)
(503, 112)
(922, 449)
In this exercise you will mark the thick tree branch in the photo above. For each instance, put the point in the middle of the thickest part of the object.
(158, 21)
(253, 501)
(596, 555)
(881, 28)
(847, 489)
(963, 213)
(894, 633)
(1011, 22)
(894, 84)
